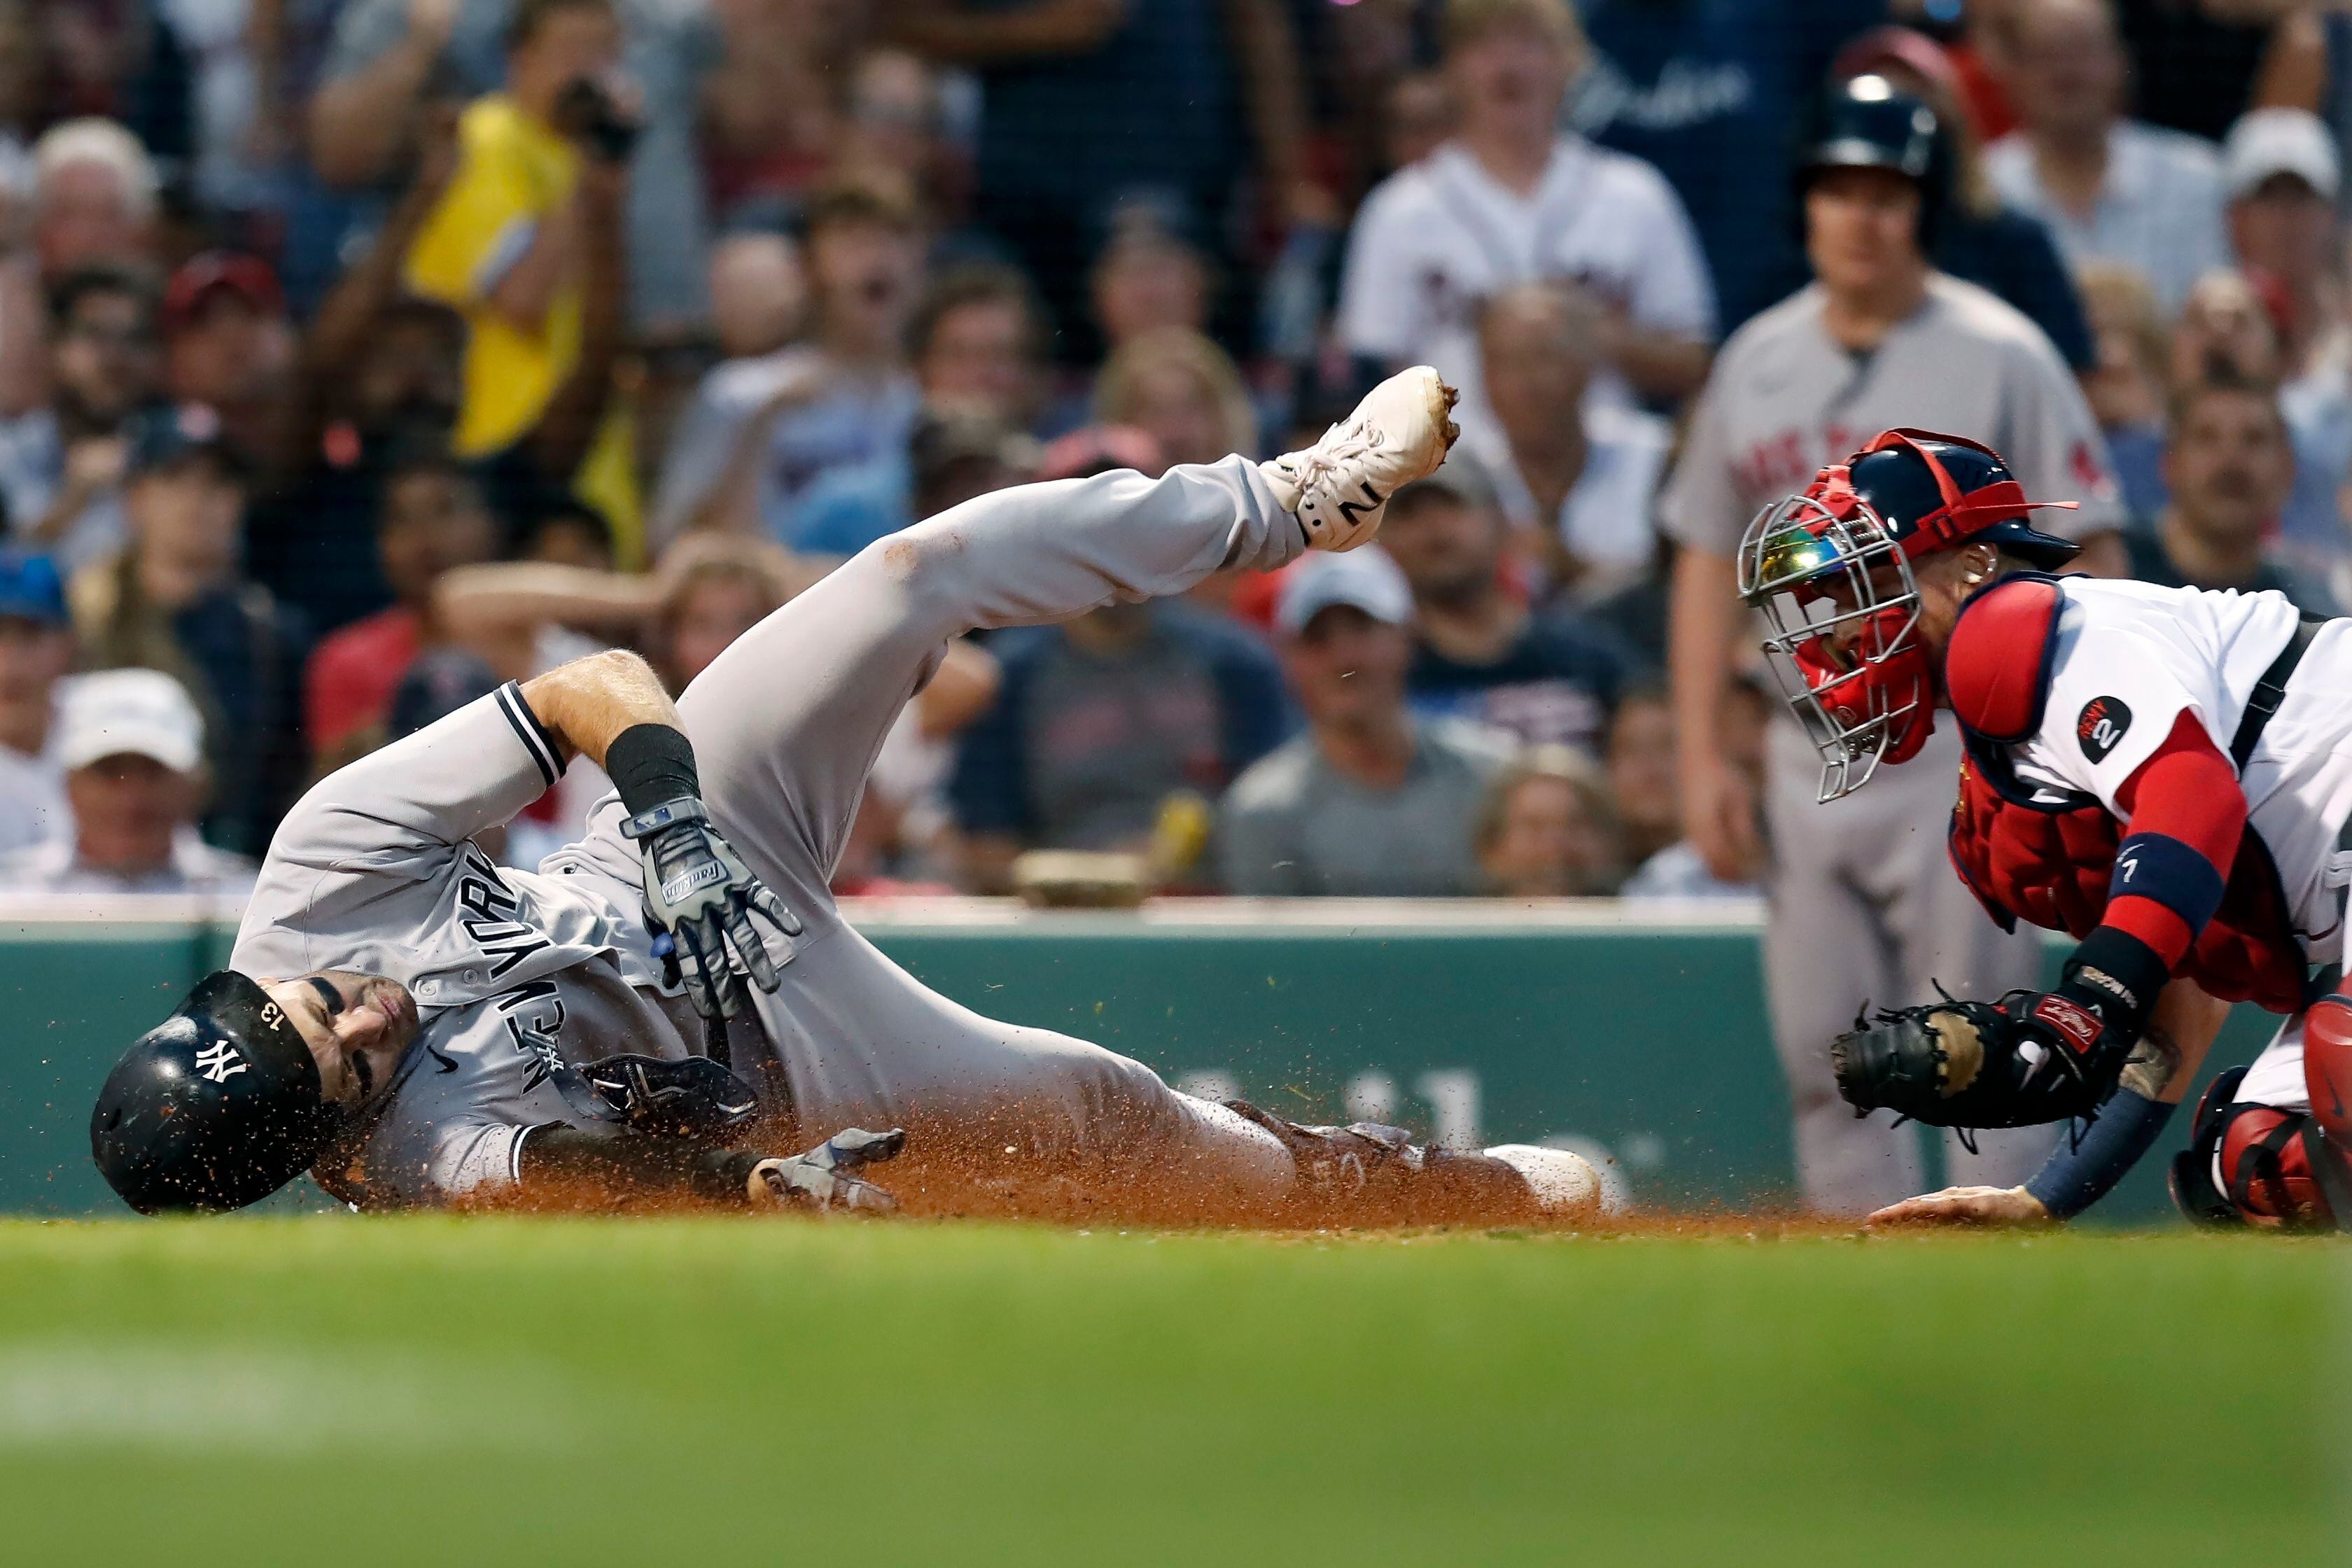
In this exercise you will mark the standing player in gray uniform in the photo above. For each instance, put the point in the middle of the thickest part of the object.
(1862, 908)
(419, 1024)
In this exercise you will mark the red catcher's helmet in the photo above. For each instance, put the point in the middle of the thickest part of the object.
(1830, 570)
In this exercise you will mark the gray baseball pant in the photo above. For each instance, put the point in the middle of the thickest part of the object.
(786, 724)
(1865, 908)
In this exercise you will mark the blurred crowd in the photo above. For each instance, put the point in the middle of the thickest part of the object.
(356, 355)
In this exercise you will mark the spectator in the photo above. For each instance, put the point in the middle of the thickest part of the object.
(761, 432)
(1577, 482)
(1479, 653)
(2228, 468)
(1702, 89)
(174, 599)
(431, 519)
(37, 649)
(133, 747)
(951, 456)
(772, 116)
(1511, 200)
(1182, 391)
(379, 366)
(1642, 777)
(61, 466)
(1547, 829)
(1102, 720)
(1676, 869)
(531, 218)
(2284, 180)
(229, 345)
(1371, 801)
(978, 343)
(1089, 104)
(978, 346)
(2279, 168)
(757, 293)
(1976, 236)
(2109, 187)
(889, 132)
(394, 64)
(1150, 274)
(2125, 383)
(96, 197)
(2193, 62)
(2223, 331)
(567, 532)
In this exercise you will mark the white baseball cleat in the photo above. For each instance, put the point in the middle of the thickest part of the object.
(1563, 1184)
(1339, 487)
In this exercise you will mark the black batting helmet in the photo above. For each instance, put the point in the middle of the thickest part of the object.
(216, 1107)
(1868, 122)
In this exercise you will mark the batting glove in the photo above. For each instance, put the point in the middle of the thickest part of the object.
(825, 1177)
(700, 892)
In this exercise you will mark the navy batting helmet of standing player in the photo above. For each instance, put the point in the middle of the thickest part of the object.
(1831, 570)
(1868, 122)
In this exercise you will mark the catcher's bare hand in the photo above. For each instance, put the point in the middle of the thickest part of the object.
(1965, 1207)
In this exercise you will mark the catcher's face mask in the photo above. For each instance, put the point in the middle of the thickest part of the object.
(1831, 570)
(1836, 590)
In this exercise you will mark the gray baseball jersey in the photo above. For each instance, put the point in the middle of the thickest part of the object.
(517, 977)
(518, 973)
(1784, 399)
(1864, 909)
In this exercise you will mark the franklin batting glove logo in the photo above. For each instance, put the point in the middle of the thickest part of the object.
(2101, 725)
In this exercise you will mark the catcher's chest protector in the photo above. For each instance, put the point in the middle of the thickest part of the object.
(2046, 856)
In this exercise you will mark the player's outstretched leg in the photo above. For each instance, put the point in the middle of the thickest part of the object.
(1339, 489)
(1369, 1173)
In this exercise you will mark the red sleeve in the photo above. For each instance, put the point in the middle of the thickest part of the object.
(2186, 796)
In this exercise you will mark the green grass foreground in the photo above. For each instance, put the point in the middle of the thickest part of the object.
(511, 1390)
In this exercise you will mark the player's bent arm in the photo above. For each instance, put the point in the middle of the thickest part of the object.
(560, 1161)
(2179, 1032)
(591, 702)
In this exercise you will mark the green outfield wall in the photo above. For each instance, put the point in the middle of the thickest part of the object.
(1648, 1040)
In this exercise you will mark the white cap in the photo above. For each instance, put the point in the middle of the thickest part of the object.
(2266, 142)
(1365, 578)
(141, 711)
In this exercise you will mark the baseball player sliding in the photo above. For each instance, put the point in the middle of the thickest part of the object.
(2165, 773)
(416, 1024)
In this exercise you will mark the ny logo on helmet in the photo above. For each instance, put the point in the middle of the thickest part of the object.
(219, 1064)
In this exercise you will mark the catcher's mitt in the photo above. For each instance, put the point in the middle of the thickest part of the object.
(1981, 1064)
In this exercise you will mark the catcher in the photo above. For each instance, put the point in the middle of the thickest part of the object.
(2165, 775)
(417, 1026)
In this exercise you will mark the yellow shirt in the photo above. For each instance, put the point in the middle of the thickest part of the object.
(512, 173)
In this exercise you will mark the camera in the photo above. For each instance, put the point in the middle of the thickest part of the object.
(588, 112)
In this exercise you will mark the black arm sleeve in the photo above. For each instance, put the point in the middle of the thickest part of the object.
(559, 1155)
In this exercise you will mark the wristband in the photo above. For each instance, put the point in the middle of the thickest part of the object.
(2081, 1172)
(652, 764)
(2117, 977)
